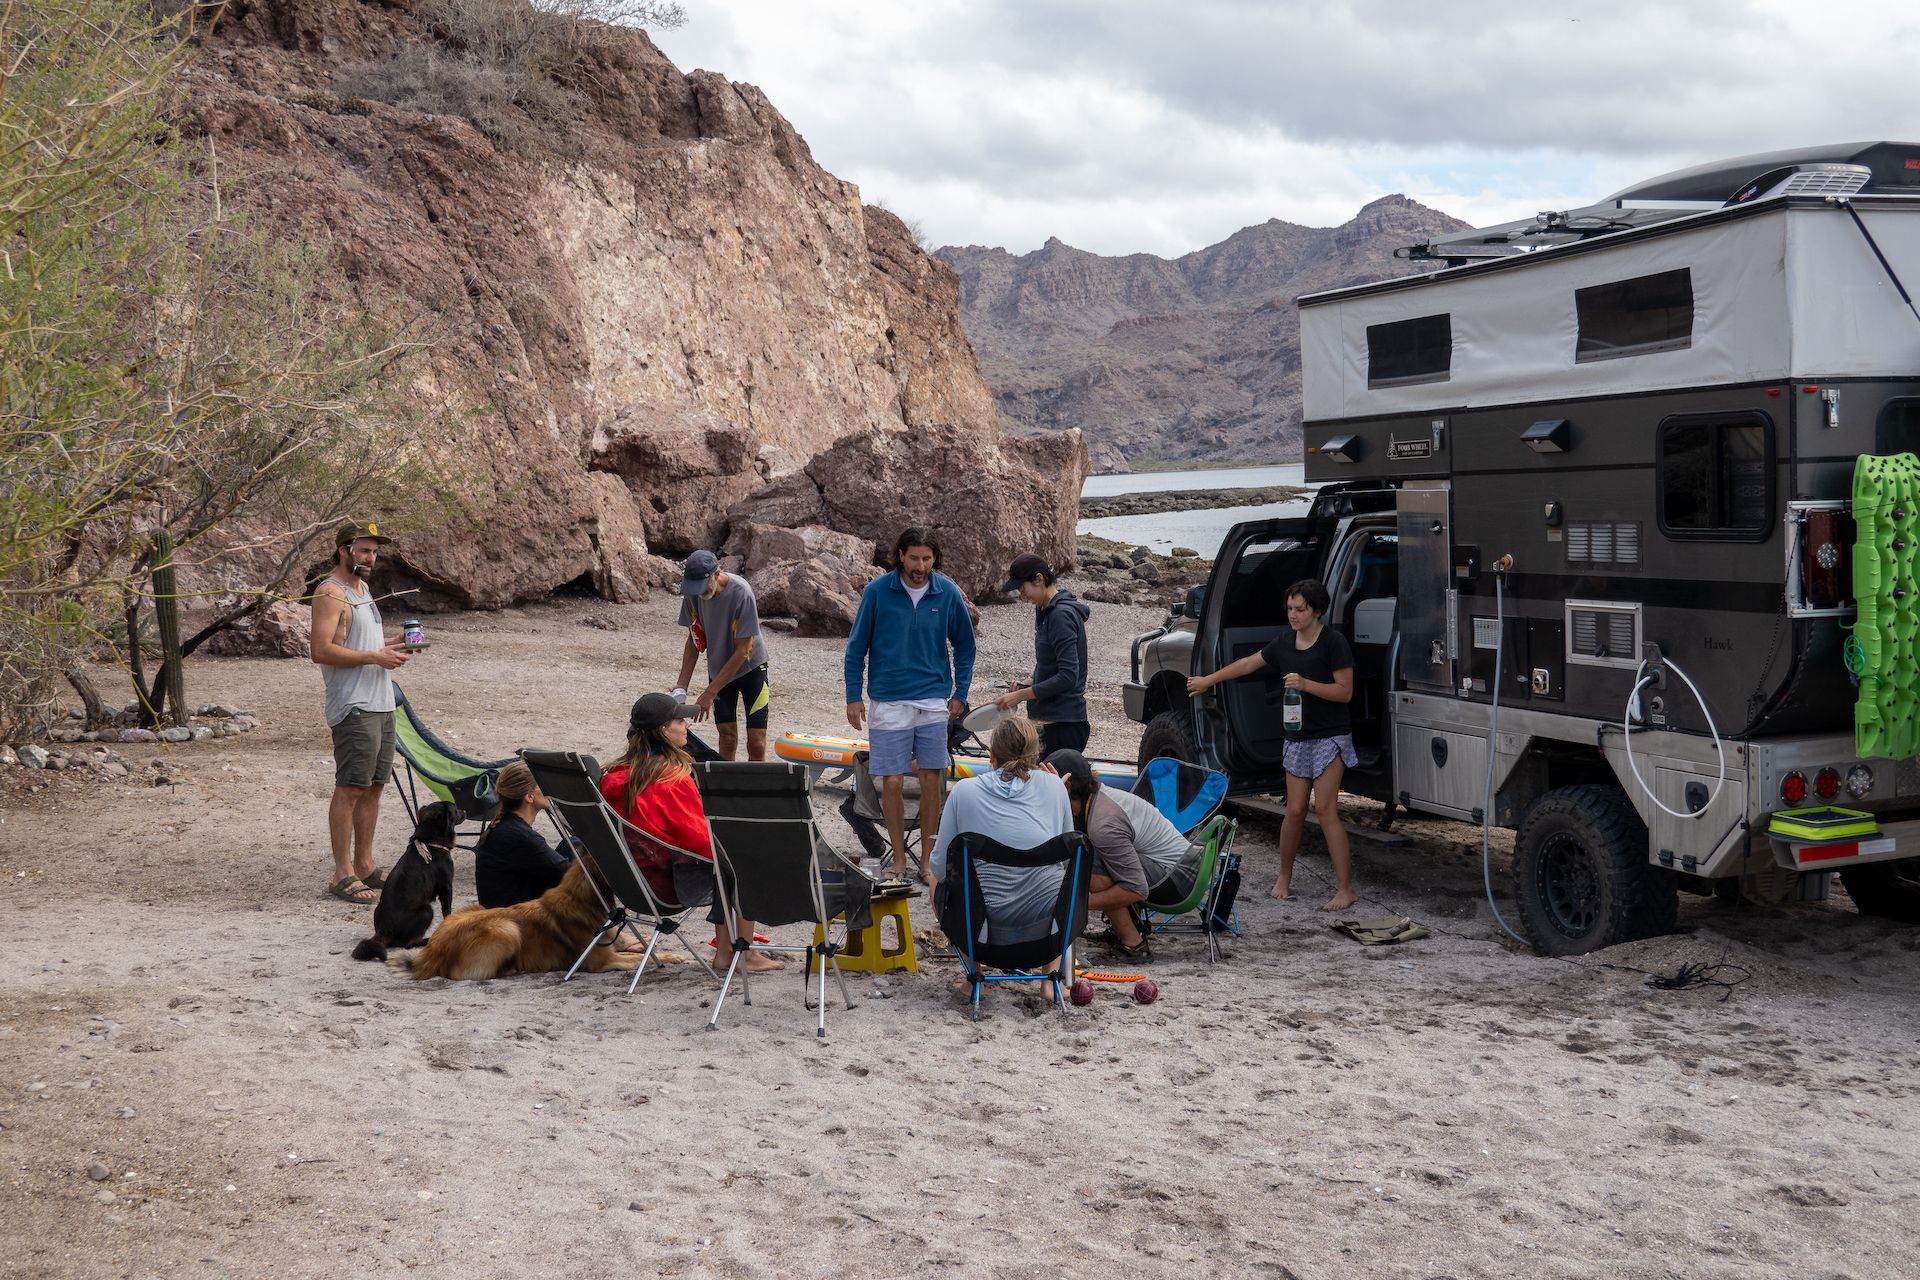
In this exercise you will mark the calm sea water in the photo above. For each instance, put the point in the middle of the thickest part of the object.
(1199, 530)
(1182, 481)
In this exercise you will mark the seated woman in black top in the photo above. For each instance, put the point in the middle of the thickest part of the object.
(1315, 659)
(513, 862)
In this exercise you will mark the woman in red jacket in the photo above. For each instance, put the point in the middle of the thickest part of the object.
(653, 789)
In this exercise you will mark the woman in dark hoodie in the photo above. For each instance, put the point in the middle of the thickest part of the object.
(1058, 691)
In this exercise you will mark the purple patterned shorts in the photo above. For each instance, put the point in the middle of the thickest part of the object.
(1309, 759)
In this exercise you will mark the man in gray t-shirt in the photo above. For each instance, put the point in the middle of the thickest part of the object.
(721, 616)
(1138, 855)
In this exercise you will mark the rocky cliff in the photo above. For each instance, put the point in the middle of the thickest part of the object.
(640, 317)
(1157, 359)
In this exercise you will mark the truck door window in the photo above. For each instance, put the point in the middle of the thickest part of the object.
(1633, 317)
(1256, 594)
(1897, 429)
(1716, 477)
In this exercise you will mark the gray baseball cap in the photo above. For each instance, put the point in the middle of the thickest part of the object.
(700, 567)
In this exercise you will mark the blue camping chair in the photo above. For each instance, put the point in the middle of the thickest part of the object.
(1015, 909)
(1190, 797)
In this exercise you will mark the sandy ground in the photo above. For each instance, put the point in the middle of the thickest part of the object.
(179, 1010)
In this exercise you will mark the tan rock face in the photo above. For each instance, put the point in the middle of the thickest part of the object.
(985, 503)
(674, 295)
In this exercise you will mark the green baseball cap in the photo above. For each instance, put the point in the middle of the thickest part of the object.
(353, 531)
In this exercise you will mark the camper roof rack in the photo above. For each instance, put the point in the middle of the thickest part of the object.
(1842, 169)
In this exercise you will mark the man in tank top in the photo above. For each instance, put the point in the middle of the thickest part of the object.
(357, 661)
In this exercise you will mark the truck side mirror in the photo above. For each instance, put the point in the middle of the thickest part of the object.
(1196, 601)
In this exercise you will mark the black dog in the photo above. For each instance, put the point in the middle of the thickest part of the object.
(424, 872)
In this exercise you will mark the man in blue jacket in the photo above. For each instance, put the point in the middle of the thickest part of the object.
(1058, 690)
(911, 651)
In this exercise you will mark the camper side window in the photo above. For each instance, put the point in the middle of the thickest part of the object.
(1716, 478)
(1633, 317)
(1897, 429)
(1409, 351)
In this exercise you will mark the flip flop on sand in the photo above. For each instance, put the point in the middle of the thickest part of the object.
(350, 889)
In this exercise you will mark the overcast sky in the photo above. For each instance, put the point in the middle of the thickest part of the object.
(1123, 127)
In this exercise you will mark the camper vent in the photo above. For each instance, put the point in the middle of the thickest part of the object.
(1603, 635)
(1827, 180)
(1603, 543)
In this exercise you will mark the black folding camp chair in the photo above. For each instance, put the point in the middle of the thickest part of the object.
(777, 868)
(867, 818)
(1016, 909)
(572, 784)
(1190, 796)
(464, 781)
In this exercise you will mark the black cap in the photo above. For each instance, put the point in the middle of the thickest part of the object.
(654, 710)
(1069, 763)
(1025, 569)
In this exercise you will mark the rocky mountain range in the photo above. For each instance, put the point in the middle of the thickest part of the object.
(643, 314)
(1158, 359)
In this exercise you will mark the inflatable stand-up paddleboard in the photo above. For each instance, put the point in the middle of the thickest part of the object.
(1886, 553)
(822, 751)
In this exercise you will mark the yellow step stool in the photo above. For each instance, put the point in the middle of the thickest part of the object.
(865, 949)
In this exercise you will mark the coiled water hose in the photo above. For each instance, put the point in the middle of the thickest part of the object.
(1626, 728)
(1493, 748)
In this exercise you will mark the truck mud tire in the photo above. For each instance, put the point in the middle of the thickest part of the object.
(1581, 873)
(1167, 734)
(1890, 890)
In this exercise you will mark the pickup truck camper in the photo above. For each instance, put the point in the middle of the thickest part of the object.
(1615, 514)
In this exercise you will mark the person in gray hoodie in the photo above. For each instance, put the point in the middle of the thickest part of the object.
(1021, 805)
(1058, 690)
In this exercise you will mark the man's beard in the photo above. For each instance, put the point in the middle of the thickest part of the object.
(362, 571)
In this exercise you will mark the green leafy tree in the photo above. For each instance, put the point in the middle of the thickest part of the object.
(164, 367)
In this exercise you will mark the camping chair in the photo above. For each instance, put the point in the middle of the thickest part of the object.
(1190, 797)
(864, 814)
(777, 868)
(468, 784)
(990, 921)
(572, 784)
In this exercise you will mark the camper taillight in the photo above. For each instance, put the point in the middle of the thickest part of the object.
(1823, 558)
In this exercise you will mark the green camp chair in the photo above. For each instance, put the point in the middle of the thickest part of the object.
(1214, 889)
(459, 779)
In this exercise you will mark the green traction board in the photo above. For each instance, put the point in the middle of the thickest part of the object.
(1886, 553)
(1824, 823)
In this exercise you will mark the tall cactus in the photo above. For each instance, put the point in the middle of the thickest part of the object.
(170, 706)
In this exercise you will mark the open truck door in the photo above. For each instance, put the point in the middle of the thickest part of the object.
(1237, 725)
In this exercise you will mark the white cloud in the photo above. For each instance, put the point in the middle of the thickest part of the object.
(1121, 126)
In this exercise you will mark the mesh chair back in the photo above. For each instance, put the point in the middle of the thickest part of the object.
(761, 816)
(463, 781)
(571, 782)
(1015, 908)
(1186, 794)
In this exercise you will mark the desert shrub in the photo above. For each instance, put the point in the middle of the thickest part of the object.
(505, 65)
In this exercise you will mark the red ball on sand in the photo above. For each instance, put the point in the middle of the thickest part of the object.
(1081, 992)
(1145, 991)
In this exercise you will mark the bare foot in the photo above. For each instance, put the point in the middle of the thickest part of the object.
(758, 963)
(1281, 889)
(1341, 901)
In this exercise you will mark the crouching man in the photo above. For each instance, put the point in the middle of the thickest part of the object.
(1138, 856)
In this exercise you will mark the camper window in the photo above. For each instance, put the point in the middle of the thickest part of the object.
(1633, 317)
(1897, 429)
(1716, 477)
(1410, 351)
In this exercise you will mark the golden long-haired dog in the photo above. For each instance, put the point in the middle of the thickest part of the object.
(539, 936)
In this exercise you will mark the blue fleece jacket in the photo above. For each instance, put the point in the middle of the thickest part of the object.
(898, 651)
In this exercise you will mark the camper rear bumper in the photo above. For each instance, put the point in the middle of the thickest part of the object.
(1893, 841)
